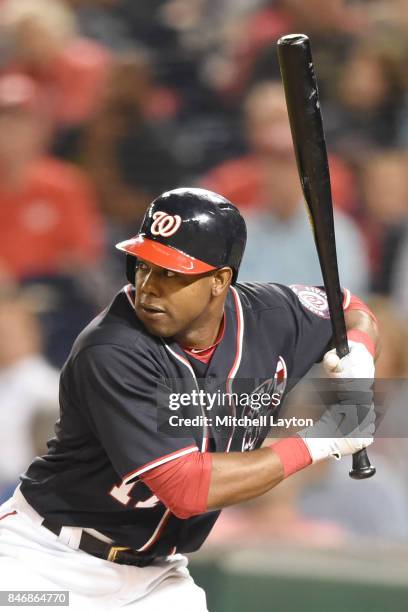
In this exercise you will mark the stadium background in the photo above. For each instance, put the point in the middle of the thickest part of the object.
(106, 103)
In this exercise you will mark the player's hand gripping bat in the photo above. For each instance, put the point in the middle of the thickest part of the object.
(302, 99)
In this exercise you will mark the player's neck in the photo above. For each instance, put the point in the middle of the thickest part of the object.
(204, 332)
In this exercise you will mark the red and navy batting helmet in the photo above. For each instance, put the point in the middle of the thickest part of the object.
(188, 230)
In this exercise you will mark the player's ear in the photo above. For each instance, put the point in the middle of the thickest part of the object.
(221, 279)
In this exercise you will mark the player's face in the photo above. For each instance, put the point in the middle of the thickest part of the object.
(168, 303)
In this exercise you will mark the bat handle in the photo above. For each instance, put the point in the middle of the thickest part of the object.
(361, 467)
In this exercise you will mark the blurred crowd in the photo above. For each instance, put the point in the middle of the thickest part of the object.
(104, 104)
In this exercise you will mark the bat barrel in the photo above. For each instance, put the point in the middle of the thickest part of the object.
(302, 99)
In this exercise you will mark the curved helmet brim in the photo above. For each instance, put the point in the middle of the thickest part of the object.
(164, 256)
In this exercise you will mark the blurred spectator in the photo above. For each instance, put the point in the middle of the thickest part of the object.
(50, 229)
(28, 388)
(392, 361)
(124, 153)
(394, 261)
(385, 185)
(267, 180)
(104, 21)
(391, 384)
(249, 52)
(180, 35)
(43, 42)
(281, 248)
(399, 273)
(49, 220)
(392, 13)
(384, 189)
(244, 180)
(369, 104)
(127, 156)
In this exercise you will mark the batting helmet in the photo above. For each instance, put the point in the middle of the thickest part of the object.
(188, 230)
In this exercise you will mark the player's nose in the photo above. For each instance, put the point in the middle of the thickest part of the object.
(151, 283)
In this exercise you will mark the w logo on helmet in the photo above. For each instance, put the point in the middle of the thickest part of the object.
(164, 224)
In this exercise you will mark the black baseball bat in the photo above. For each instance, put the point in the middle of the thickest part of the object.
(302, 99)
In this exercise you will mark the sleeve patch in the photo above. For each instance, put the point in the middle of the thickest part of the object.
(313, 299)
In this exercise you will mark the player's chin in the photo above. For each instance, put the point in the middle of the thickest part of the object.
(157, 326)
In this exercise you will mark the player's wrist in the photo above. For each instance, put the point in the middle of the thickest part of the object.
(358, 336)
(298, 452)
(293, 454)
(322, 448)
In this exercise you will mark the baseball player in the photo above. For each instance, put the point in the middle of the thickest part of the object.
(110, 511)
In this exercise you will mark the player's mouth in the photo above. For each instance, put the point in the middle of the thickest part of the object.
(151, 311)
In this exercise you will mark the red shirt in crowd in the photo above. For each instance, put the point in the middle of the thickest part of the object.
(241, 181)
(51, 223)
(75, 80)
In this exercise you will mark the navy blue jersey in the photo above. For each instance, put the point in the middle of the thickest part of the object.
(115, 393)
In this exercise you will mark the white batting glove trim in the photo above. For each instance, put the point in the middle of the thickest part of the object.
(323, 448)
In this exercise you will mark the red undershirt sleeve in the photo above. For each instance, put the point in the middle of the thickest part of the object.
(182, 484)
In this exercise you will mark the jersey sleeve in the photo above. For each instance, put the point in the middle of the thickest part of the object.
(118, 392)
(309, 330)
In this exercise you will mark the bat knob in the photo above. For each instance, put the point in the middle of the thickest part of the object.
(361, 468)
(293, 39)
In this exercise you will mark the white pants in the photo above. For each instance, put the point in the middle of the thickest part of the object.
(32, 558)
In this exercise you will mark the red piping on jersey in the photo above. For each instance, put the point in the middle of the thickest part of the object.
(238, 354)
(185, 362)
(157, 533)
(160, 461)
(284, 367)
(182, 359)
(8, 514)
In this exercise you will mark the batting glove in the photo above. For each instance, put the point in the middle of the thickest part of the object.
(347, 426)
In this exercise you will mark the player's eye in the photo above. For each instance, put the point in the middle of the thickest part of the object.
(143, 267)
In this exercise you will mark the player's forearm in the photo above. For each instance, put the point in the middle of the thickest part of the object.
(238, 477)
(198, 482)
(363, 322)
